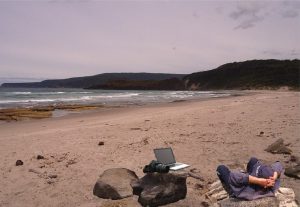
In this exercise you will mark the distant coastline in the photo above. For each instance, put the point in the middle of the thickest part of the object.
(18, 80)
(248, 75)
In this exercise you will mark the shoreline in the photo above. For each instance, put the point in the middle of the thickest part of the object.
(202, 134)
(65, 109)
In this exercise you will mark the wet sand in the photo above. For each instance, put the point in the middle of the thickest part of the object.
(203, 134)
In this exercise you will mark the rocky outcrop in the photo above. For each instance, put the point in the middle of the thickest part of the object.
(263, 202)
(293, 171)
(278, 147)
(156, 189)
(216, 192)
(284, 197)
(16, 114)
(115, 184)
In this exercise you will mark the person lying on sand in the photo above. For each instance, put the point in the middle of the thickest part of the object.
(259, 181)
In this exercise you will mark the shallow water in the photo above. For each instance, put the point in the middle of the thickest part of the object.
(28, 97)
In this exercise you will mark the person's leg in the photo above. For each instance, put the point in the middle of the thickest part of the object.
(251, 163)
(223, 173)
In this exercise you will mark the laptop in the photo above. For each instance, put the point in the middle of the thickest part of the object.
(166, 157)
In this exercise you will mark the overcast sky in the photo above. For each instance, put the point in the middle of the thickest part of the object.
(59, 39)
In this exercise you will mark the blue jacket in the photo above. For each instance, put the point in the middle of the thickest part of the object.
(239, 183)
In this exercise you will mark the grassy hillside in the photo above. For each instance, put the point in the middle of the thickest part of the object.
(252, 74)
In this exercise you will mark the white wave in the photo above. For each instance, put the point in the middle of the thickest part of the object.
(124, 95)
(87, 97)
(44, 97)
(36, 93)
(81, 92)
(26, 101)
(8, 101)
(19, 93)
(108, 96)
(49, 93)
(39, 100)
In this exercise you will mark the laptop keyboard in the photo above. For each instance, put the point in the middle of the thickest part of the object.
(175, 164)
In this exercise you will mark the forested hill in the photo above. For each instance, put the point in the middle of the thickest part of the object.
(252, 74)
(89, 81)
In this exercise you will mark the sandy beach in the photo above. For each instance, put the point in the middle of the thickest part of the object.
(203, 134)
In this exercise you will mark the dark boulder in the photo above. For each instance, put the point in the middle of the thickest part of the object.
(156, 189)
(278, 147)
(293, 171)
(295, 159)
(115, 183)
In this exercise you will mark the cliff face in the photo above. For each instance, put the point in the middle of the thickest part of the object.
(253, 74)
(168, 84)
(89, 81)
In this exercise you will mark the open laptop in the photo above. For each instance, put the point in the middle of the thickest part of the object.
(166, 157)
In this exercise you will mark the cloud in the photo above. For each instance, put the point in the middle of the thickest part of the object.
(287, 53)
(290, 13)
(248, 23)
(245, 10)
(271, 53)
(248, 14)
(291, 9)
(294, 53)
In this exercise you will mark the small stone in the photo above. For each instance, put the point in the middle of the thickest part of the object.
(34, 171)
(101, 143)
(71, 162)
(294, 158)
(261, 133)
(52, 176)
(136, 128)
(40, 157)
(50, 181)
(195, 170)
(205, 204)
(19, 162)
(199, 186)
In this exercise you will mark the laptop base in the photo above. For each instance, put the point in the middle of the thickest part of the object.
(178, 166)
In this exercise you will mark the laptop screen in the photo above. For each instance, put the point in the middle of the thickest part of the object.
(165, 155)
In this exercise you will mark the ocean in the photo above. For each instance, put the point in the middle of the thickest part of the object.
(29, 97)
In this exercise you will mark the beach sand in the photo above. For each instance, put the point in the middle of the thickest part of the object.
(203, 134)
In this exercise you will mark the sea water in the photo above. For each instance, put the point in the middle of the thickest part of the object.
(29, 97)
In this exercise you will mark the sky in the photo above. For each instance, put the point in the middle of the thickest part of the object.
(61, 39)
